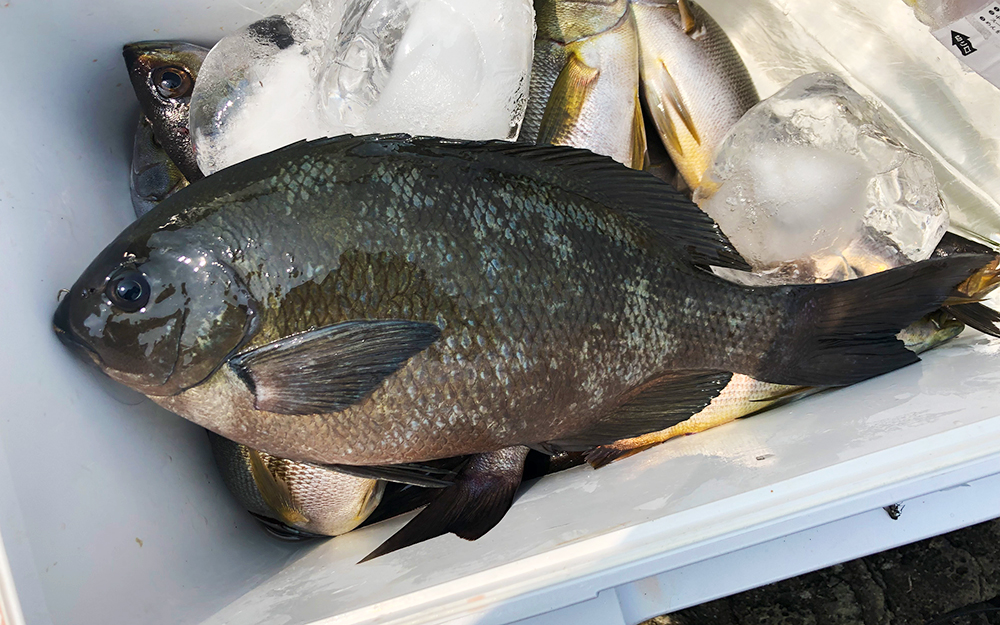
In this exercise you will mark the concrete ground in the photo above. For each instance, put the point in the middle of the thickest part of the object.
(953, 579)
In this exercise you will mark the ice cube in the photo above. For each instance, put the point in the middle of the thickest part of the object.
(813, 184)
(253, 96)
(453, 68)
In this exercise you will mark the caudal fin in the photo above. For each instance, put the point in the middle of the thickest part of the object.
(843, 333)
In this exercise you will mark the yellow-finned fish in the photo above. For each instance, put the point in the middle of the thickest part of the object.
(584, 88)
(294, 497)
(695, 83)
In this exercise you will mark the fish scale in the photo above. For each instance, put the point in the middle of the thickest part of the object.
(699, 75)
(521, 327)
(580, 313)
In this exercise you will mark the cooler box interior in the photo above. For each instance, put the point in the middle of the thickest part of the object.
(112, 510)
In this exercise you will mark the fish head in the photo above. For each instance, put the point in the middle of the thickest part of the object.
(156, 313)
(163, 70)
(163, 75)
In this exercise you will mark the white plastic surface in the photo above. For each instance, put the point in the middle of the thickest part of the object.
(111, 510)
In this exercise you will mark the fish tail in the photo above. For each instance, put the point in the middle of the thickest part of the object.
(845, 332)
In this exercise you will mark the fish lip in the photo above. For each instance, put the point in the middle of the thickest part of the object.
(284, 531)
(135, 56)
(61, 326)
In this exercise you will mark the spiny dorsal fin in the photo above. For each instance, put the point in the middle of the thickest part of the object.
(604, 180)
(639, 194)
(645, 197)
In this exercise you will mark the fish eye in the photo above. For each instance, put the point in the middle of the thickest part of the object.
(128, 291)
(172, 82)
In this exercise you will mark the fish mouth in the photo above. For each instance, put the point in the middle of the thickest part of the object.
(135, 55)
(283, 531)
(61, 326)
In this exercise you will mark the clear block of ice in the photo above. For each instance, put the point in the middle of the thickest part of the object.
(453, 68)
(949, 112)
(813, 184)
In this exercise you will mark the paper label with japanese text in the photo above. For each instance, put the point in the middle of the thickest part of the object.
(975, 39)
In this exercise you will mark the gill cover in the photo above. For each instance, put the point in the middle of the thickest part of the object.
(160, 319)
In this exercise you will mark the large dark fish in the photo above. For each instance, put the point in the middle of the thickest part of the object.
(163, 74)
(383, 300)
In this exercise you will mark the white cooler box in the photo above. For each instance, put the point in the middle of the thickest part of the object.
(112, 510)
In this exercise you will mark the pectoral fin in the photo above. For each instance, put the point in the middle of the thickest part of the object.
(569, 94)
(688, 21)
(329, 369)
(481, 495)
(639, 157)
(671, 96)
(274, 492)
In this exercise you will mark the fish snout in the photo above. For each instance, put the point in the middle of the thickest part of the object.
(61, 326)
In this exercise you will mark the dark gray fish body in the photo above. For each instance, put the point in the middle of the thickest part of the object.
(154, 177)
(383, 300)
(163, 74)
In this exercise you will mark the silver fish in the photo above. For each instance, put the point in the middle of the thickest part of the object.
(304, 496)
(695, 83)
(584, 88)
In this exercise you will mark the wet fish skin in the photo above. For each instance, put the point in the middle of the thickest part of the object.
(317, 500)
(292, 500)
(745, 396)
(154, 177)
(554, 309)
(694, 81)
(163, 74)
(585, 80)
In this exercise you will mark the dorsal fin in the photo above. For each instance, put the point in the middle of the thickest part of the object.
(599, 178)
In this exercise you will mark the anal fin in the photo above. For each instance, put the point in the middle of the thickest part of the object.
(481, 495)
(655, 405)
